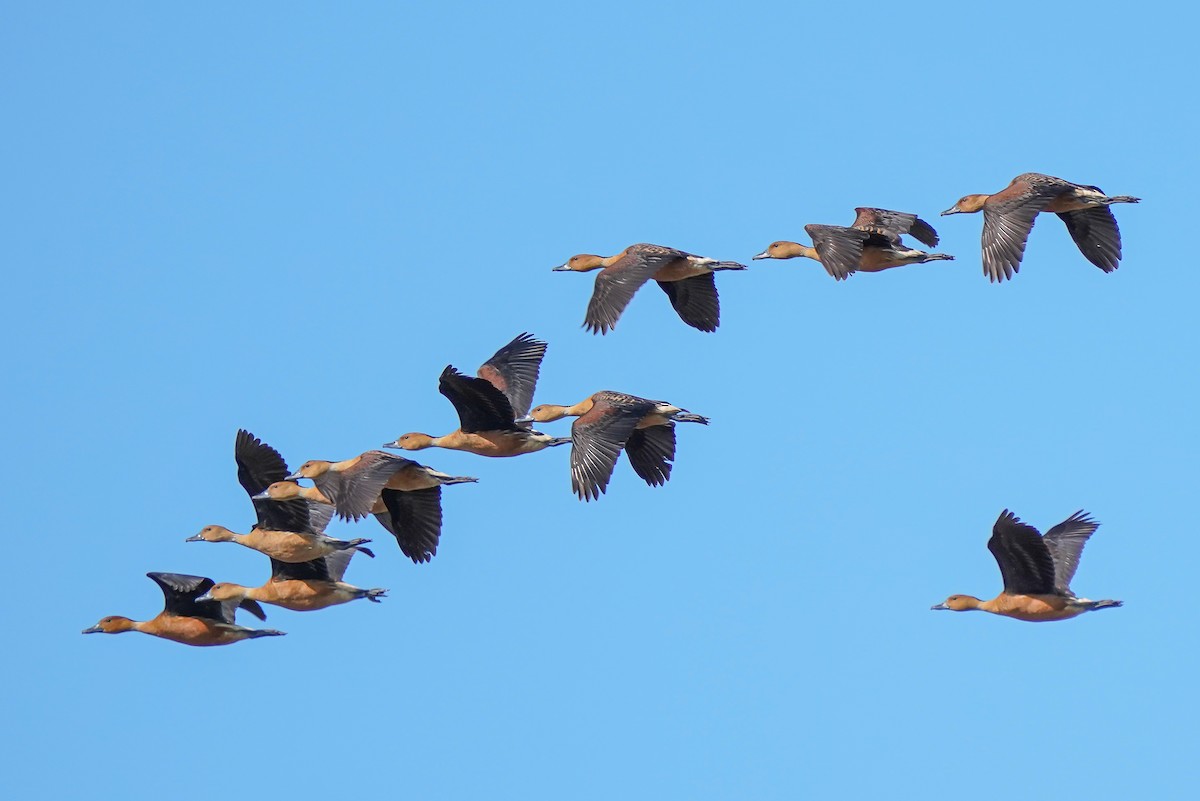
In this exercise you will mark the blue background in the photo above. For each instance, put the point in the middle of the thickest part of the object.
(290, 217)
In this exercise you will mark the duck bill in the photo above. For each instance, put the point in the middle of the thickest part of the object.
(952, 210)
(92, 630)
(763, 255)
(194, 538)
(939, 606)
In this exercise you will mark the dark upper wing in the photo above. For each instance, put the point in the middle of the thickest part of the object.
(1096, 234)
(1008, 218)
(597, 438)
(840, 248)
(480, 406)
(180, 592)
(894, 223)
(695, 300)
(416, 521)
(1024, 559)
(260, 466)
(314, 570)
(616, 284)
(651, 451)
(1065, 542)
(514, 371)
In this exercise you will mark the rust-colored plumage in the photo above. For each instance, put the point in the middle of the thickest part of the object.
(486, 405)
(687, 280)
(871, 244)
(1036, 570)
(187, 617)
(609, 422)
(291, 530)
(299, 586)
(1009, 214)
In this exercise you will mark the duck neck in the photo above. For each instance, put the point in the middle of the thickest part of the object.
(792, 250)
(315, 495)
(973, 603)
(579, 409)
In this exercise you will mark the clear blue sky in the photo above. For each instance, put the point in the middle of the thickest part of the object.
(289, 218)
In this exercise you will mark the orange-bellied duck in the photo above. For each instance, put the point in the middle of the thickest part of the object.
(409, 506)
(611, 421)
(299, 586)
(871, 244)
(1037, 571)
(1009, 214)
(187, 618)
(488, 406)
(292, 530)
(685, 277)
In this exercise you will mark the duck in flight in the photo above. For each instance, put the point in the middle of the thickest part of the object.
(489, 405)
(299, 586)
(872, 243)
(609, 422)
(1036, 570)
(187, 617)
(686, 278)
(291, 530)
(409, 506)
(1009, 214)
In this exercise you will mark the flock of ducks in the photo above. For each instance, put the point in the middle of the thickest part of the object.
(495, 420)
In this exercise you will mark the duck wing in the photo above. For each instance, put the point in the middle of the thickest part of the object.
(480, 406)
(893, 224)
(1096, 235)
(597, 438)
(1025, 562)
(1008, 218)
(415, 520)
(355, 489)
(313, 570)
(695, 300)
(514, 371)
(617, 283)
(1066, 541)
(651, 451)
(181, 590)
(260, 466)
(840, 248)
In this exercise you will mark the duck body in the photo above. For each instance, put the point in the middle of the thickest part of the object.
(482, 443)
(1042, 608)
(687, 280)
(608, 422)
(871, 244)
(299, 586)
(1036, 570)
(200, 632)
(307, 595)
(488, 406)
(353, 485)
(188, 617)
(286, 546)
(1009, 215)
